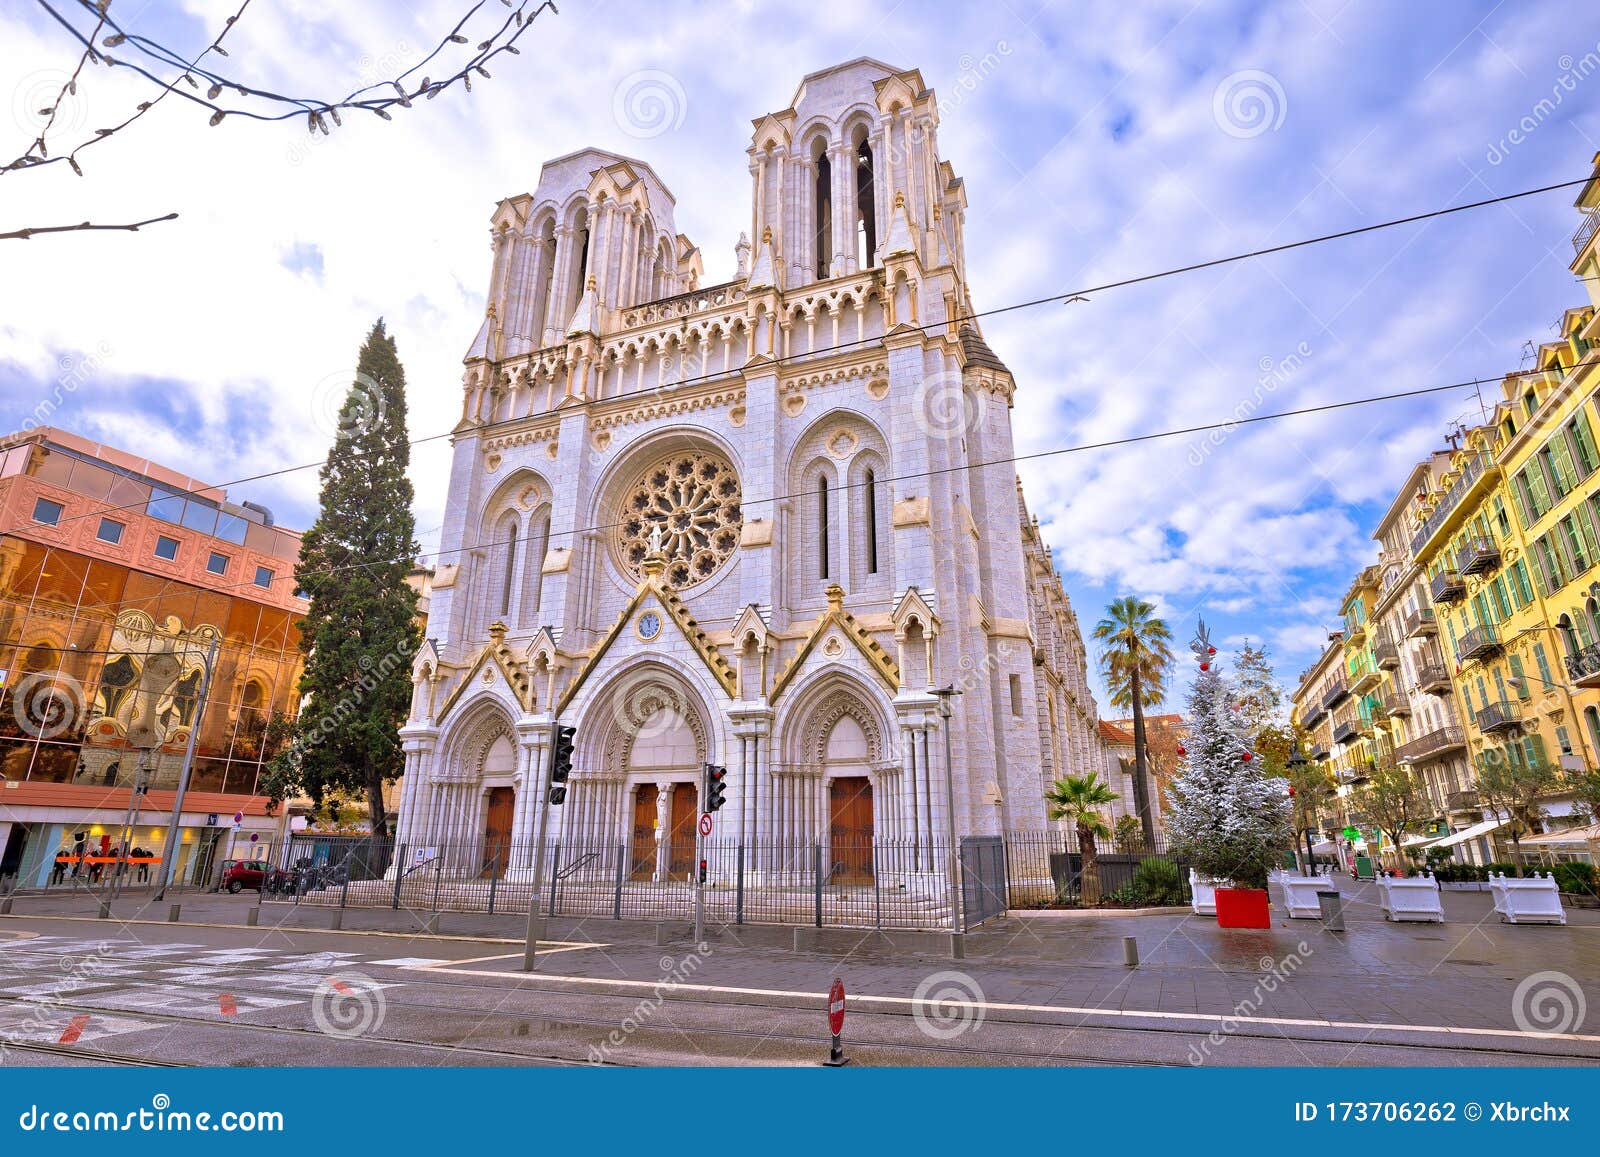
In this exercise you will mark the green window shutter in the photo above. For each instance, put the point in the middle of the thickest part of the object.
(1520, 495)
(1543, 661)
(1524, 692)
(1537, 490)
(1502, 603)
(1583, 443)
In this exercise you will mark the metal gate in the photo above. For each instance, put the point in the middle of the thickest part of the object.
(983, 879)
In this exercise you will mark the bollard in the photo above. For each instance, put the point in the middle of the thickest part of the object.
(172, 913)
(1332, 905)
(1130, 951)
(5, 906)
(252, 915)
(105, 909)
(338, 919)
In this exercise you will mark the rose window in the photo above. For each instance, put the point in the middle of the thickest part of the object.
(694, 498)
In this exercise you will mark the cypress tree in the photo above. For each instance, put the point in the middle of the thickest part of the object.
(360, 633)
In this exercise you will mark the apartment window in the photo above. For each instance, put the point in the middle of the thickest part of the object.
(217, 563)
(1564, 741)
(1524, 692)
(110, 531)
(166, 548)
(1583, 448)
(1501, 602)
(1543, 661)
(263, 577)
(1520, 582)
(47, 512)
(1500, 518)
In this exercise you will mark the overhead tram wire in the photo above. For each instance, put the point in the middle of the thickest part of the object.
(849, 345)
(1032, 456)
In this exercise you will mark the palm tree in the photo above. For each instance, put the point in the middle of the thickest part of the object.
(1079, 798)
(1134, 657)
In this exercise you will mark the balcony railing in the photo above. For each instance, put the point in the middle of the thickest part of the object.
(1501, 716)
(1470, 473)
(1585, 231)
(1434, 678)
(1478, 643)
(1395, 703)
(1584, 667)
(1365, 677)
(1420, 621)
(1437, 742)
(1386, 652)
(1344, 731)
(1478, 556)
(1447, 587)
(1462, 801)
(1335, 695)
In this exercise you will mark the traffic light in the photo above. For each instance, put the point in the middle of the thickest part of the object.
(702, 871)
(561, 762)
(716, 786)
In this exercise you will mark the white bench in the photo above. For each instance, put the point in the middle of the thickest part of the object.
(1205, 894)
(1410, 898)
(1300, 895)
(1527, 899)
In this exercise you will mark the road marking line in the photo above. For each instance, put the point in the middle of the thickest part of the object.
(546, 947)
(226, 1003)
(74, 1030)
(821, 1000)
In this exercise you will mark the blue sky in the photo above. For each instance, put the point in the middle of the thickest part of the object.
(1098, 141)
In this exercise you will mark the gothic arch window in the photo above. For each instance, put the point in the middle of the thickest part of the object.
(824, 528)
(580, 237)
(545, 270)
(533, 568)
(866, 214)
(868, 500)
(503, 569)
(824, 207)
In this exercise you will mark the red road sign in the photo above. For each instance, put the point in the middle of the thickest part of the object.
(705, 823)
(836, 1007)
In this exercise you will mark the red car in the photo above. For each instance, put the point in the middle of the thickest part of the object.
(237, 875)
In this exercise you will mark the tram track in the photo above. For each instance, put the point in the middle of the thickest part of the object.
(571, 1021)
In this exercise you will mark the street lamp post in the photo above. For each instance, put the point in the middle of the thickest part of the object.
(953, 871)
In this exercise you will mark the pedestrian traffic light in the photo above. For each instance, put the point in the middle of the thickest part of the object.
(702, 871)
(561, 762)
(716, 786)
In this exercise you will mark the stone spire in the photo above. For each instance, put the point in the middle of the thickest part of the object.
(764, 275)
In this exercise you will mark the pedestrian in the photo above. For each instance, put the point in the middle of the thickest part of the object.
(60, 870)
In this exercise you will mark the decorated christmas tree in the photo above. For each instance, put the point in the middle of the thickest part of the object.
(1228, 817)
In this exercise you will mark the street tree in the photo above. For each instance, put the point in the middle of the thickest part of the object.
(1134, 657)
(1078, 799)
(1514, 788)
(1396, 803)
(360, 630)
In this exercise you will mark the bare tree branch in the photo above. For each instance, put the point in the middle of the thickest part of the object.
(29, 233)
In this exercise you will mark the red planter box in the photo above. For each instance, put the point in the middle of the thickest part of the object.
(1243, 908)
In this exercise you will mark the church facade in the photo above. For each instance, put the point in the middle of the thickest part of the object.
(746, 523)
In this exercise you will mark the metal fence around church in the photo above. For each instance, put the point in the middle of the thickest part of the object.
(867, 883)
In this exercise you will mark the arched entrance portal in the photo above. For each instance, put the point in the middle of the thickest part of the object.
(659, 743)
(846, 762)
(499, 807)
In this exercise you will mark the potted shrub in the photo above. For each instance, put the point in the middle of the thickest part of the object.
(1228, 817)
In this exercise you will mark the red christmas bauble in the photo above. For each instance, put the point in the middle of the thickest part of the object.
(1181, 751)
(1291, 789)
(1246, 757)
(1211, 650)
(1205, 666)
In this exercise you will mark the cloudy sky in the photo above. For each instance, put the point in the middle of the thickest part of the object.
(1098, 141)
